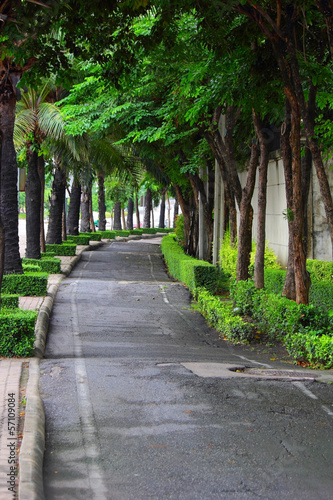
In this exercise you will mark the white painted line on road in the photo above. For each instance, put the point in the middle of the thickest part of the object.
(328, 410)
(87, 418)
(164, 296)
(310, 394)
(305, 390)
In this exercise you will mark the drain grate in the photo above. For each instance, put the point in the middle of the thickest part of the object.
(274, 374)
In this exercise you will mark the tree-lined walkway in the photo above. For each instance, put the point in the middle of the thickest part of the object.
(128, 416)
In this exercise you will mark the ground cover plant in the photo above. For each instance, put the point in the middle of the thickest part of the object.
(249, 314)
(17, 332)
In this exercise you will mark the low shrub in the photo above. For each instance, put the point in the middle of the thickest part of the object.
(137, 232)
(30, 268)
(228, 257)
(320, 270)
(179, 229)
(17, 333)
(9, 301)
(80, 239)
(123, 233)
(193, 272)
(47, 255)
(311, 348)
(107, 235)
(93, 236)
(220, 315)
(68, 249)
(25, 284)
(47, 265)
(149, 230)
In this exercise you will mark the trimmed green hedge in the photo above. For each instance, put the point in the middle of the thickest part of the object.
(9, 301)
(149, 230)
(17, 333)
(63, 249)
(47, 265)
(25, 284)
(220, 315)
(193, 272)
(107, 235)
(93, 236)
(47, 255)
(81, 239)
(30, 268)
(137, 232)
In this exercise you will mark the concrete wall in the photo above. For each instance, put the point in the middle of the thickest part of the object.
(277, 227)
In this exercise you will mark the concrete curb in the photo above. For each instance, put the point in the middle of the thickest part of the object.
(33, 443)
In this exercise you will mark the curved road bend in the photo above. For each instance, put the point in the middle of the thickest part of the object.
(126, 420)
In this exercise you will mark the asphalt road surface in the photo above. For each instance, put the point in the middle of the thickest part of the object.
(131, 416)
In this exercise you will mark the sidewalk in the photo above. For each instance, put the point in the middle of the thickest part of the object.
(21, 399)
(22, 449)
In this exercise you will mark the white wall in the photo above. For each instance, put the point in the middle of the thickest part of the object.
(277, 227)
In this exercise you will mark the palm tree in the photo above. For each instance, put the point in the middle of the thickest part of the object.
(36, 119)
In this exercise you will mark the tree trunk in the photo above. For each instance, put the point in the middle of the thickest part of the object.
(130, 209)
(41, 173)
(123, 218)
(302, 277)
(33, 206)
(8, 173)
(91, 213)
(289, 289)
(54, 230)
(85, 209)
(161, 223)
(74, 209)
(117, 216)
(259, 266)
(64, 219)
(186, 211)
(2, 253)
(148, 208)
(137, 212)
(246, 218)
(175, 211)
(309, 124)
(101, 203)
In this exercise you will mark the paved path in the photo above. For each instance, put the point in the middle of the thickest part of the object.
(140, 403)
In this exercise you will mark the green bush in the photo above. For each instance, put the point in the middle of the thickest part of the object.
(149, 230)
(9, 301)
(47, 265)
(123, 233)
(47, 255)
(63, 249)
(30, 268)
(108, 235)
(81, 239)
(94, 236)
(228, 257)
(193, 272)
(321, 294)
(25, 284)
(220, 315)
(17, 333)
(318, 351)
(320, 270)
(274, 280)
(137, 232)
(179, 229)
